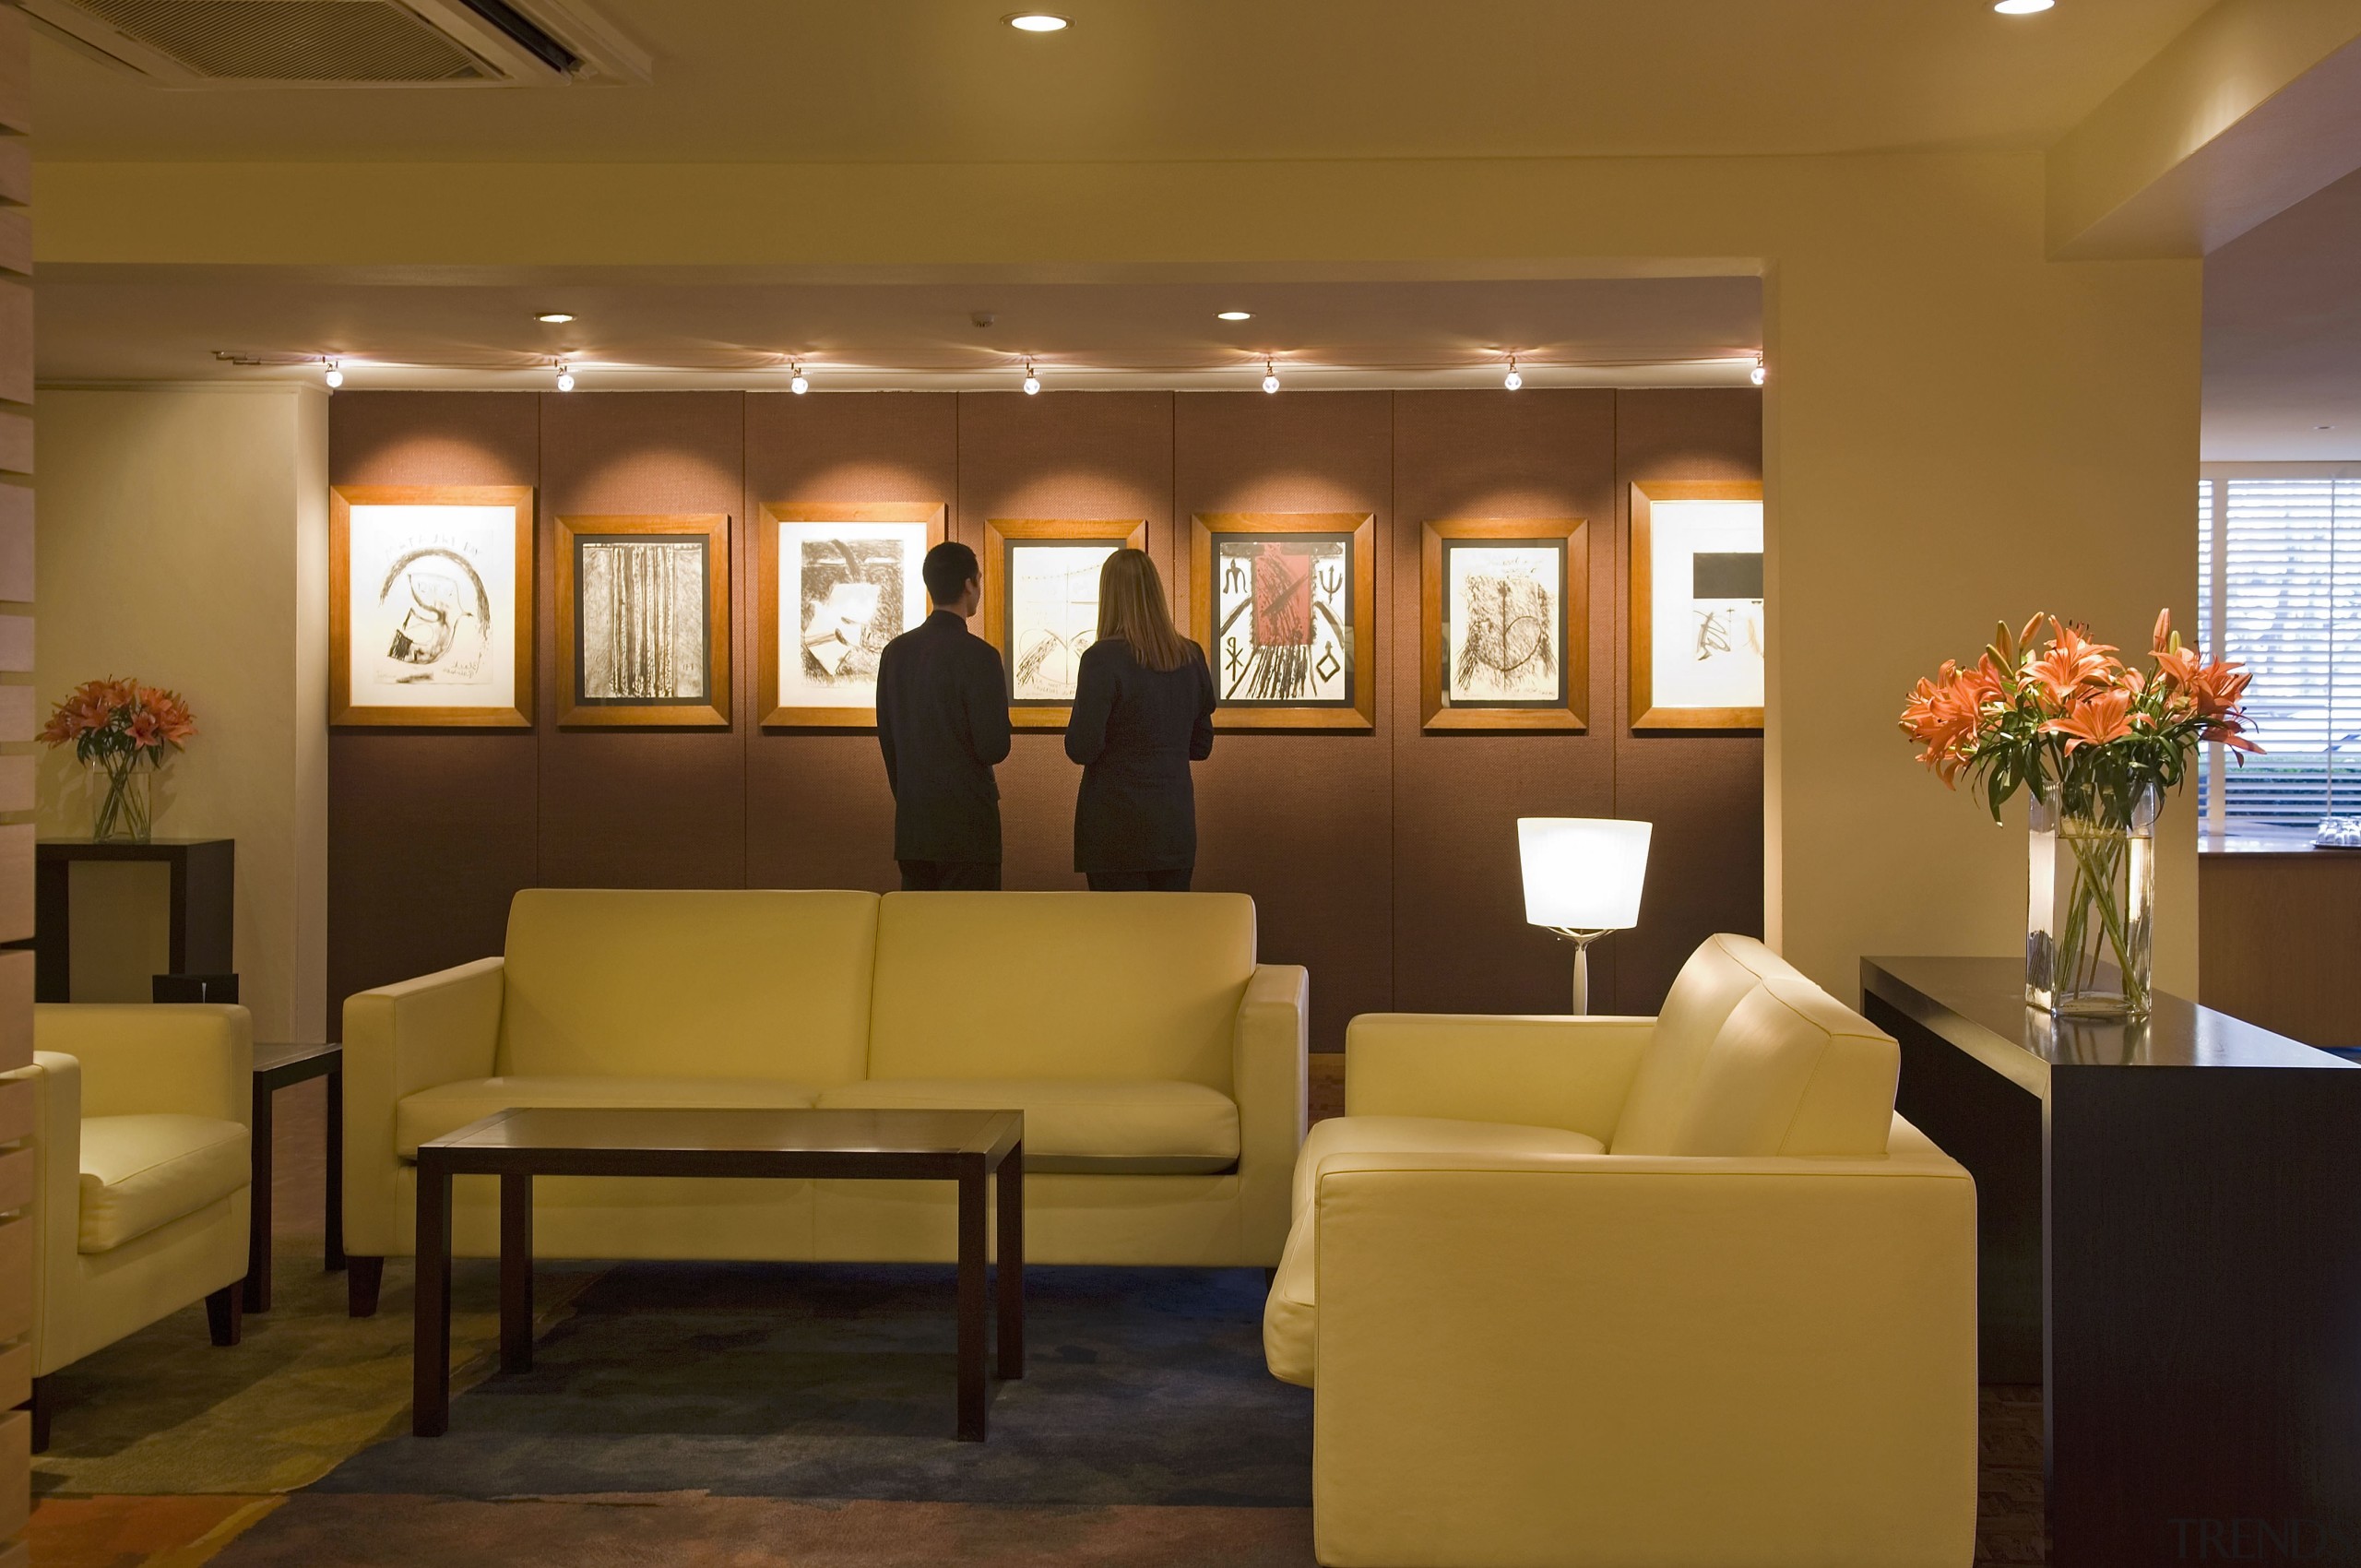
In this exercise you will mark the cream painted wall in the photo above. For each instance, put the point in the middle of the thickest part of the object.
(183, 539)
(1959, 427)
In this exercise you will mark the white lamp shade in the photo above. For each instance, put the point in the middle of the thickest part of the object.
(1582, 873)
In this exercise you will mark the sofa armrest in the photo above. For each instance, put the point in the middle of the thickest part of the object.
(1267, 1065)
(193, 1058)
(1513, 1353)
(1538, 1071)
(399, 1038)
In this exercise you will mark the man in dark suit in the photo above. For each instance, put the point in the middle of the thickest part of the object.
(942, 723)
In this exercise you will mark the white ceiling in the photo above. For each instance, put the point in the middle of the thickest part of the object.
(762, 80)
(98, 324)
(2283, 335)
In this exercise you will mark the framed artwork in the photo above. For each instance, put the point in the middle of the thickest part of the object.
(1282, 603)
(1696, 606)
(1503, 624)
(1041, 605)
(643, 621)
(836, 583)
(431, 606)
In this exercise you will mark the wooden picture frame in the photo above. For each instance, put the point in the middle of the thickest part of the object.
(1568, 539)
(576, 707)
(1000, 536)
(1646, 714)
(777, 710)
(1355, 530)
(487, 579)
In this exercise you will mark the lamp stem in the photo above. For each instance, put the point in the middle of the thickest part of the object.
(1582, 941)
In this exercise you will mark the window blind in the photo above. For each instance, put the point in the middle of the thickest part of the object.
(2290, 613)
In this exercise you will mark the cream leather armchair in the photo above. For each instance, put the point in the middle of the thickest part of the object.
(140, 1121)
(1596, 1292)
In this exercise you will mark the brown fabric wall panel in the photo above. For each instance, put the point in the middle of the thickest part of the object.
(641, 808)
(1303, 823)
(818, 813)
(1461, 943)
(1704, 792)
(430, 832)
(1059, 455)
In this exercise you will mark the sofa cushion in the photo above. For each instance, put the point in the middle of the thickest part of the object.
(139, 1173)
(1291, 1312)
(733, 984)
(1129, 1127)
(1061, 985)
(1793, 1072)
(447, 1108)
(1716, 978)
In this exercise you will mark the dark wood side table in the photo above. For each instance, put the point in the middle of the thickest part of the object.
(966, 1146)
(276, 1066)
(2168, 1242)
(203, 888)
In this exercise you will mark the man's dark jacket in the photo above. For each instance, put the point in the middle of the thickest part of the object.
(943, 722)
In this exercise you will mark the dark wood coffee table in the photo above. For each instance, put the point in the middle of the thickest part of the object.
(966, 1146)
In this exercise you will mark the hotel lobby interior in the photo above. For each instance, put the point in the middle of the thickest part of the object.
(1539, 784)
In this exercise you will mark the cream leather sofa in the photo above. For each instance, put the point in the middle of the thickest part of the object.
(141, 1177)
(1159, 1068)
(1679, 1291)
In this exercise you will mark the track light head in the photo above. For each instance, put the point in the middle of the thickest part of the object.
(565, 377)
(1760, 374)
(801, 384)
(1032, 382)
(335, 376)
(1270, 377)
(1513, 380)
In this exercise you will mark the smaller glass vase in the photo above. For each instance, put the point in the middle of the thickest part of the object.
(123, 803)
(2090, 913)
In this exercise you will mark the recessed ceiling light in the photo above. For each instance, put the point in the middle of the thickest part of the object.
(2021, 7)
(555, 317)
(2323, 427)
(1234, 316)
(1038, 21)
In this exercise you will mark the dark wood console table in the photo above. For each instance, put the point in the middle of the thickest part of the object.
(2169, 1240)
(204, 892)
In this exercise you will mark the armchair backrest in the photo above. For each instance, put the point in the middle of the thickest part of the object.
(1793, 1072)
(729, 983)
(1061, 985)
(1717, 977)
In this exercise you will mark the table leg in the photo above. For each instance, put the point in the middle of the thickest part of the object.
(972, 1305)
(517, 1272)
(335, 1170)
(430, 1400)
(257, 1286)
(1011, 1263)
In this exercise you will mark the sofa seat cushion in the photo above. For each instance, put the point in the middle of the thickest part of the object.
(447, 1108)
(139, 1173)
(1145, 1127)
(1420, 1134)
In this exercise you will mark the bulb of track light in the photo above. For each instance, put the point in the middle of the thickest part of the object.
(565, 379)
(1032, 383)
(1760, 374)
(1038, 21)
(1271, 381)
(2021, 7)
(1513, 380)
(335, 374)
(799, 385)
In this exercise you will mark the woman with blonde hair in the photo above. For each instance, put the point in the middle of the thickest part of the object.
(1143, 712)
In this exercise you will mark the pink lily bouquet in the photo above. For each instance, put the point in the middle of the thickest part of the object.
(2095, 742)
(122, 732)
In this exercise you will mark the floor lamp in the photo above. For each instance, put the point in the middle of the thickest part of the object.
(1583, 877)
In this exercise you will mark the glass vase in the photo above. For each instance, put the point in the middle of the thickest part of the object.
(2090, 913)
(123, 803)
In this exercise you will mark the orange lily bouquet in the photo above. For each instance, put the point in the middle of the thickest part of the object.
(2074, 718)
(117, 728)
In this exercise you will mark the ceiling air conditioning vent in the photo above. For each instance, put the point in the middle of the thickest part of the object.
(232, 43)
